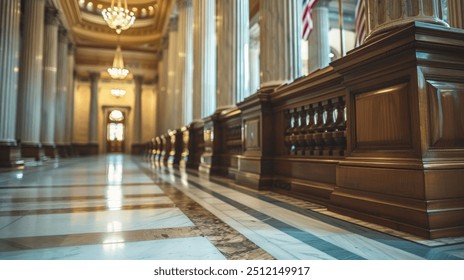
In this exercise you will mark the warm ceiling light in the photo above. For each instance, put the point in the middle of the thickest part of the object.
(118, 92)
(118, 71)
(119, 17)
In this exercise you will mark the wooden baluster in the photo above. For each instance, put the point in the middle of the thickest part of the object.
(320, 128)
(288, 130)
(293, 137)
(310, 130)
(339, 134)
(329, 126)
(301, 122)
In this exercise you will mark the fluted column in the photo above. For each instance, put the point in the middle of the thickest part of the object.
(185, 60)
(93, 118)
(280, 25)
(137, 127)
(10, 12)
(162, 104)
(384, 15)
(456, 13)
(61, 91)
(30, 79)
(254, 59)
(233, 33)
(70, 96)
(49, 81)
(318, 42)
(204, 39)
(172, 106)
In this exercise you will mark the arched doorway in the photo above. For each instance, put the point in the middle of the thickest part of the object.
(115, 131)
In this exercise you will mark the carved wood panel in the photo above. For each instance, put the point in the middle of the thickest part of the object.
(252, 134)
(383, 118)
(446, 104)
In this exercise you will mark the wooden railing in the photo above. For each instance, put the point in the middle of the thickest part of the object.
(317, 129)
(375, 135)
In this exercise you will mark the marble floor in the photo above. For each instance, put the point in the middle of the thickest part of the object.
(121, 207)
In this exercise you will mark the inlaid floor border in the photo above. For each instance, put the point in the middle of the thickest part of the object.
(438, 251)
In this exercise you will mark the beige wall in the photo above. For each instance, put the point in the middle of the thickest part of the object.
(105, 102)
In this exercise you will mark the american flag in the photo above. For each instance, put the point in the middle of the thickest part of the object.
(307, 18)
(360, 26)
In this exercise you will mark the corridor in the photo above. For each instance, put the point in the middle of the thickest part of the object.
(122, 207)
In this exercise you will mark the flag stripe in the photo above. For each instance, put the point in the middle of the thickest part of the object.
(360, 24)
(307, 18)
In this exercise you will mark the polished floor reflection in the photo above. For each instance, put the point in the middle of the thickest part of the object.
(122, 207)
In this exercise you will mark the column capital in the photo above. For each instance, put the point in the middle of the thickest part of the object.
(51, 16)
(173, 23)
(94, 76)
(71, 48)
(62, 34)
(182, 4)
(165, 42)
(322, 3)
(138, 79)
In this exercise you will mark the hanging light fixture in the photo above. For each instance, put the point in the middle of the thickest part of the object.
(118, 92)
(118, 17)
(118, 71)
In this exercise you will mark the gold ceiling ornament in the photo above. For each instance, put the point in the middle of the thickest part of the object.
(118, 71)
(118, 17)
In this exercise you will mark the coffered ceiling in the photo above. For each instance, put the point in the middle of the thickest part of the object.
(96, 43)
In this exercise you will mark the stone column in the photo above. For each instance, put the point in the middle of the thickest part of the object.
(61, 93)
(137, 126)
(70, 99)
(93, 118)
(233, 30)
(456, 13)
(173, 110)
(30, 79)
(318, 42)
(280, 39)
(162, 104)
(10, 12)
(254, 59)
(384, 15)
(204, 82)
(49, 82)
(185, 60)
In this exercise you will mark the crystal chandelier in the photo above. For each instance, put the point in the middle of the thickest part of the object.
(118, 17)
(118, 92)
(118, 71)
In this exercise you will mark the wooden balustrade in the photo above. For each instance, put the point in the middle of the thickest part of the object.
(377, 135)
(317, 129)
